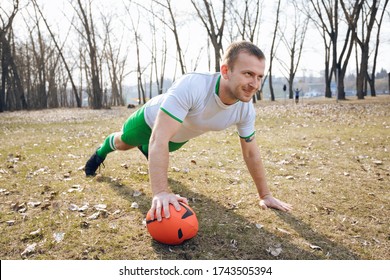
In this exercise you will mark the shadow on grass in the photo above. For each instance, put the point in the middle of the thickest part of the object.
(318, 241)
(224, 234)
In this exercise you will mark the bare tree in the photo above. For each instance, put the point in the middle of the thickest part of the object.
(13, 98)
(159, 67)
(207, 15)
(40, 54)
(294, 46)
(351, 14)
(84, 13)
(60, 52)
(245, 21)
(114, 63)
(371, 78)
(137, 38)
(172, 25)
(327, 22)
(369, 18)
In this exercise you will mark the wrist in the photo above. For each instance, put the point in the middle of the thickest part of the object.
(160, 191)
(264, 196)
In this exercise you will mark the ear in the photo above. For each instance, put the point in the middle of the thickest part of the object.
(224, 71)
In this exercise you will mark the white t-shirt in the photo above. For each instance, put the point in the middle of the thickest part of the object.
(192, 101)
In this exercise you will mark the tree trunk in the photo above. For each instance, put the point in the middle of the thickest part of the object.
(272, 53)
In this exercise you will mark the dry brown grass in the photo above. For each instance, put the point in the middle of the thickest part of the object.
(330, 160)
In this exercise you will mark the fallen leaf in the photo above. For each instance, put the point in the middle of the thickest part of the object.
(75, 188)
(10, 222)
(275, 250)
(34, 203)
(83, 208)
(116, 212)
(99, 207)
(29, 249)
(94, 216)
(36, 232)
(284, 231)
(315, 247)
(134, 205)
(376, 240)
(113, 226)
(59, 236)
(73, 207)
(137, 193)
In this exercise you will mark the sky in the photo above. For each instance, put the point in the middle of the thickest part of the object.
(193, 37)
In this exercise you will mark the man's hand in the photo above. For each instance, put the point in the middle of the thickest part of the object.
(161, 202)
(272, 202)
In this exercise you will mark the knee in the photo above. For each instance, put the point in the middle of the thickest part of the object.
(119, 144)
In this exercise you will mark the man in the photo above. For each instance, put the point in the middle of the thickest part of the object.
(195, 104)
(297, 95)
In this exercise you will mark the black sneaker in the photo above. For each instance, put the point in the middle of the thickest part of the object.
(93, 164)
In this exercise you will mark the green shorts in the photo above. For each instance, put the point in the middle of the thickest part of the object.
(136, 132)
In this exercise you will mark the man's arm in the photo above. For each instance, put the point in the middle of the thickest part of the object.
(164, 129)
(252, 158)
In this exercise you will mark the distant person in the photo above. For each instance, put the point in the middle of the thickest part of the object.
(195, 104)
(296, 95)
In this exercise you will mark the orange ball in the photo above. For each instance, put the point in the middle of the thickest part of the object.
(180, 226)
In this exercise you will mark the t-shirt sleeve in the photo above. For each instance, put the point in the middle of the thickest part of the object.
(180, 99)
(246, 127)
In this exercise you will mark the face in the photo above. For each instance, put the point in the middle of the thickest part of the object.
(244, 79)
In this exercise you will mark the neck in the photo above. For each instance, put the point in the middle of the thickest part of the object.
(225, 94)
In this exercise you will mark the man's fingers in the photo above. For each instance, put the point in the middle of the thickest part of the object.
(181, 199)
(158, 214)
(155, 210)
(152, 210)
(287, 207)
(176, 205)
(275, 203)
(167, 214)
(284, 206)
(160, 205)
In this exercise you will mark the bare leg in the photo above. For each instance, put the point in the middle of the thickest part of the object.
(119, 144)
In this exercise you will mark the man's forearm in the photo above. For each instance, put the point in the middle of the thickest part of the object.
(256, 169)
(158, 167)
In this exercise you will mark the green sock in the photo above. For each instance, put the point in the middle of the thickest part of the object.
(107, 147)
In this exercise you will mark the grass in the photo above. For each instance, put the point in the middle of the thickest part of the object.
(329, 159)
